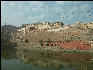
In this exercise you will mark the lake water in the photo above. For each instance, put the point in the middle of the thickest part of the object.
(32, 60)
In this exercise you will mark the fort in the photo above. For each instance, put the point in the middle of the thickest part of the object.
(84, 26)
(54, 26)
(41, 26)
(57, 32)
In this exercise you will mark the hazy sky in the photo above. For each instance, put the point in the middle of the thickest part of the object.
(68, 12)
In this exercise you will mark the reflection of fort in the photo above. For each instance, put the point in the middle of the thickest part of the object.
(78, 57)
(78, 61)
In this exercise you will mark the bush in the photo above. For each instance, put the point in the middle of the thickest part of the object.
(26, 41)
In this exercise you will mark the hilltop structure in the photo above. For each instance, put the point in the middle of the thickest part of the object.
(55, 26)
(84, 26)
(41, 26)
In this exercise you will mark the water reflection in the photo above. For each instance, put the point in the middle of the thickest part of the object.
(57, 61)
(50, 61)
(8, 53)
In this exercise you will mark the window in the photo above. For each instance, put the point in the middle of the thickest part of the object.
(41, 44)
(58, 44)
(51, 44)
(55, 44)
(47, 44)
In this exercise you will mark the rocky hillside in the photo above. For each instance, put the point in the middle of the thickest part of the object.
(33, 37)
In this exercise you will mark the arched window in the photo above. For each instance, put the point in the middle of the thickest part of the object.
(41, 44)
(55, 44)
(47, 44)
(58, 44)
(51, 44)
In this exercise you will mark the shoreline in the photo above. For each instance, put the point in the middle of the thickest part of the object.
(53, 49)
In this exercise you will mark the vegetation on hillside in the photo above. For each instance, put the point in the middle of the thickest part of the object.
(7, 31)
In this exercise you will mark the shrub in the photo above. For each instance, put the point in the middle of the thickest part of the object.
(26, 41)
